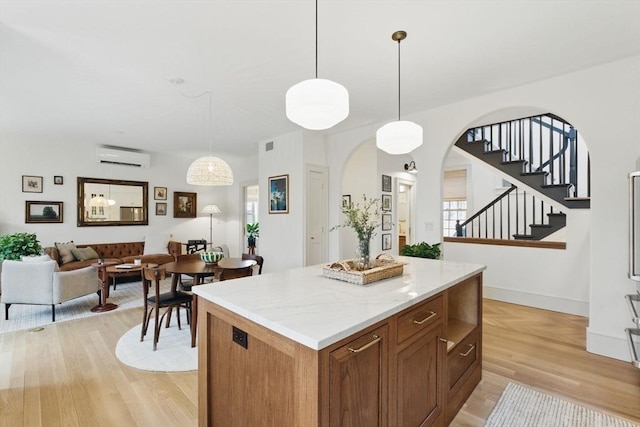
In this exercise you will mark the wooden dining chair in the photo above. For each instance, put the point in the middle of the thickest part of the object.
(153, 303)
(232, 273)
(257, 258)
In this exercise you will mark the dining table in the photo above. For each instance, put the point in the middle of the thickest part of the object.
(199, 270)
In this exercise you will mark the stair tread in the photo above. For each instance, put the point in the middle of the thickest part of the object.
(534, 173)
(556, 186)
(542, 225)
(523, 236)
(578, 198)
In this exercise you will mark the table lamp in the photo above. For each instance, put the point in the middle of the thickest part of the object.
(211, 210)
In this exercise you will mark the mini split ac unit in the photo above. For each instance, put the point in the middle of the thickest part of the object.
(122, 157)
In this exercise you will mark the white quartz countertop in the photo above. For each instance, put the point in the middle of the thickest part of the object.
(316, 311)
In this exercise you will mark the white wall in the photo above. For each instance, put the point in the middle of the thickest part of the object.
(281, 235)
(359, 178)
(603, 103)
(49, 157)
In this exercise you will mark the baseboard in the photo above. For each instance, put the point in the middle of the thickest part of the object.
(608, 345)
(562, 305)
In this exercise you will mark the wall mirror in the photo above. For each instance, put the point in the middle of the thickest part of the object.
(104, 202)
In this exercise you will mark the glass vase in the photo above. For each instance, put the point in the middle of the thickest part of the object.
(363, 254)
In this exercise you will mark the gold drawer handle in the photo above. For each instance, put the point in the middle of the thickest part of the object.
(366, 346)
(431, 315)
(466, 353)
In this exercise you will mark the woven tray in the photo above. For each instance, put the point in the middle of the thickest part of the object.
(384, 267)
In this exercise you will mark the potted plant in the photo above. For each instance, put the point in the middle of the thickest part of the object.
(15, 246)
(421, 250)
(253, 232)
(364, 220)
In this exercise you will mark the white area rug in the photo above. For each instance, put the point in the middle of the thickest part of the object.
(520, 406)
(174, 351)
(22, 316)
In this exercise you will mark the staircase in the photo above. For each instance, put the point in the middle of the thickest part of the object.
(515, 214)
(542, 153)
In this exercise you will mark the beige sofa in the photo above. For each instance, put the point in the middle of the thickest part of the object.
(39, 282)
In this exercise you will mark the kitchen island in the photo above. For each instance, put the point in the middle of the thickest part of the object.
(295, 348)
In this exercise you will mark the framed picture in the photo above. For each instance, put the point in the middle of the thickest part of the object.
(37, 212)
(31, 184)
(161, 208)
(386, 242)
(386, 202)
(185, 205)
(279, 194)
(386, 222)
(386, 183)
(57, 180)
(159, 193)
(346, 200)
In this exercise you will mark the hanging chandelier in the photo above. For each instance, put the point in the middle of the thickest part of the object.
(401, 136)
(317, 104)
(208, 170)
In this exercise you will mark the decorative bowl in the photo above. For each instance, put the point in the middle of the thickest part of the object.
(211, 257)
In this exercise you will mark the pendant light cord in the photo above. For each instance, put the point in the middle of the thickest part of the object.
(316, 39)
(177, 82)
(398, 80)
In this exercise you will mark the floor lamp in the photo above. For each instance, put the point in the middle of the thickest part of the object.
(211, 210)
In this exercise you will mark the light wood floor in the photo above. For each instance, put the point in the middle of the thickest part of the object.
(68, 375)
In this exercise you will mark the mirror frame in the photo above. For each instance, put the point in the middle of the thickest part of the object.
(144, 186)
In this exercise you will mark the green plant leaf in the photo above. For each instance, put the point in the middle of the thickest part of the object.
(15, 246)
(421, 250)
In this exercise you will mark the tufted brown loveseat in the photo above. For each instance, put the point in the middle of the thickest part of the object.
(122, 253)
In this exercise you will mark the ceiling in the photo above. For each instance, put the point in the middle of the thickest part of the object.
(98, 72)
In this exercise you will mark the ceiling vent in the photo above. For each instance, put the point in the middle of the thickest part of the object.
(123, 157)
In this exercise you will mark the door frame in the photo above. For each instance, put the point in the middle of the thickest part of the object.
(324, 198)
(411, 202)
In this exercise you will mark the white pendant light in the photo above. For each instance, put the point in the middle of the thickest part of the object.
(317, 104)
(208, 170)
(399, 137)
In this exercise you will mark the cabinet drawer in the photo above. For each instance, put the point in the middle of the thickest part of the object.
(419, 318)
(461, 357)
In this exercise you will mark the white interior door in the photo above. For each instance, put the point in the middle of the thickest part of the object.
(316, 215)
(405, 192)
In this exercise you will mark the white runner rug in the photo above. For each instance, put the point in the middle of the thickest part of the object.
(174, 351)
(521, 406)
(24, 316)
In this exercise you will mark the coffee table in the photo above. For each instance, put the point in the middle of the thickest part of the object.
(107, 270)
(104, 290)
(113, 271)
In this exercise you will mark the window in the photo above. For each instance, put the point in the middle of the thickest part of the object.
(454, 205)
(452, 211)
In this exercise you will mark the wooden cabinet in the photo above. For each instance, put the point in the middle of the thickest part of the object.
(358, 374)
(419, 375)
(414, 368)
(464, 343)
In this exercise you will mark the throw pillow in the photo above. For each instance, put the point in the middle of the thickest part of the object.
(65, 251)
(156, 244)
(83, 254)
